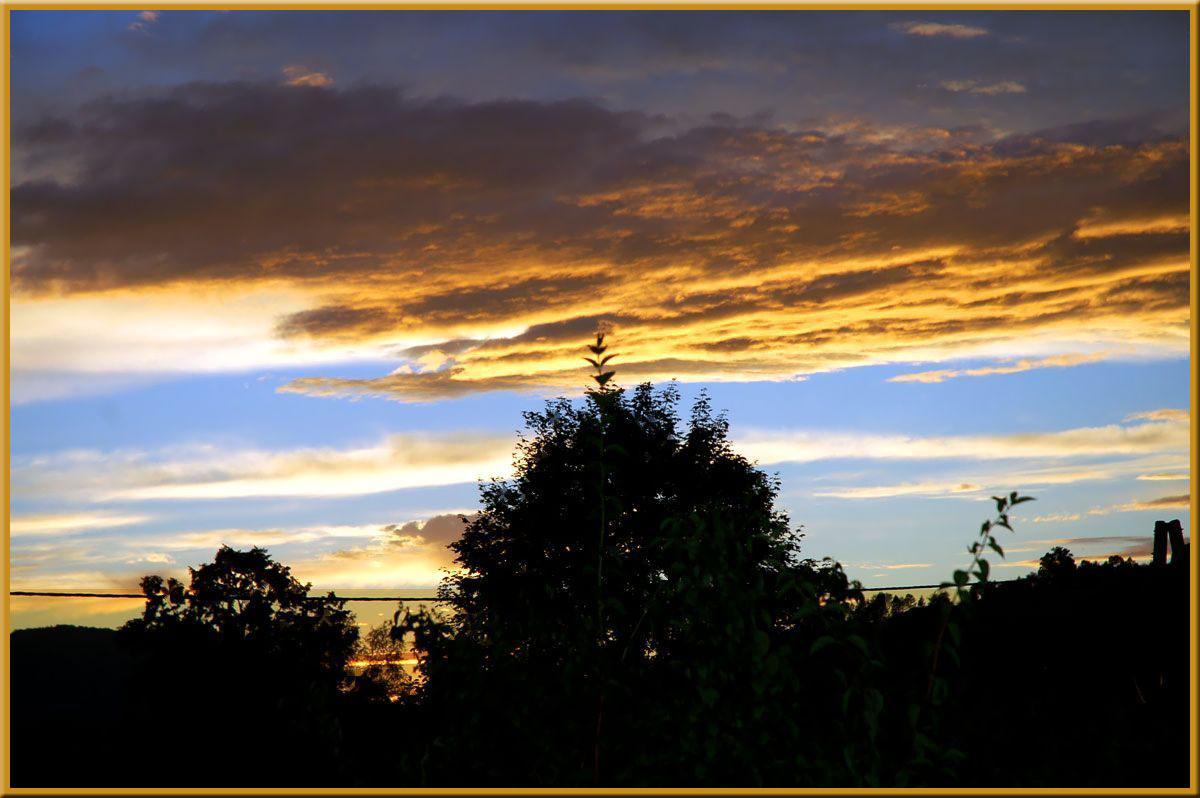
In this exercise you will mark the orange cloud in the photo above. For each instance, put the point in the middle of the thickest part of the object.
(890, 566)
(1025, 364)
(731, 250)
(1164, 476)
(298, 75)
(905, 489)
(1097, 548)
(1099, 227)
(1152, 437)
(413, 553)
(69, 523)
(974, 87)
(143, 21)
(396, 462)
(1175, 415)
(929, 29)
(1182, 501)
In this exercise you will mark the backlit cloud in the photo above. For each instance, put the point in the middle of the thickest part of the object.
(1175, 415)
(1024, 364)
(397, 462)
(951, 30)
(143, 21)
(799, 446)
(988, 89)
(1181, 501)
(1056, 518)
(903, 489)
(162, 330)
(983, 482)
(413, 460)
(69, 523)
(412, 553)
(299, 75)
(1164, 477)
(1099, 548)
(212, 539)
(725, 250)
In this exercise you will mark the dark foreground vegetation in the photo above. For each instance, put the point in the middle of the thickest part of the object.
(632, 610)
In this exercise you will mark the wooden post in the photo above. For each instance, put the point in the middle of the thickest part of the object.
(1175, 533)
(1160, 543)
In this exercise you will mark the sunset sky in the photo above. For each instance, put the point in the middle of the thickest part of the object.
(289, 278)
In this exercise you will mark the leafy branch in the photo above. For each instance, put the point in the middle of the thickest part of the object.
(601, 376)
(979, 568)
(604, 398)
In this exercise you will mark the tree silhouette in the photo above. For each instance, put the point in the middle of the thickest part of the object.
(241, 650)
(246, 602)
(634, 582)
(1058, 563)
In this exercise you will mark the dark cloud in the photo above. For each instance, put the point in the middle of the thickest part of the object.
(1111, 545)
(439, 530)
(1129, 130)
(244, 181)
(336, 320)
(426, 386)
(795, 63)
(454, 382)
(1137, 546)
(1181, 500)
(234, 181)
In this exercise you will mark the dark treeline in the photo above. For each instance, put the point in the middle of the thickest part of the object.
(631, 609)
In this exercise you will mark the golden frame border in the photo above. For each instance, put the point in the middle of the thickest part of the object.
(1191, 6)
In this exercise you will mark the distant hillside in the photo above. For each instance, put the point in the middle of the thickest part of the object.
(1075, 676)
(69, 697)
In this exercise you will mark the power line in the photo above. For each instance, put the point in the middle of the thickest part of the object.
(59, 594)
(75, 595)
(142, 596)
(940, 585)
